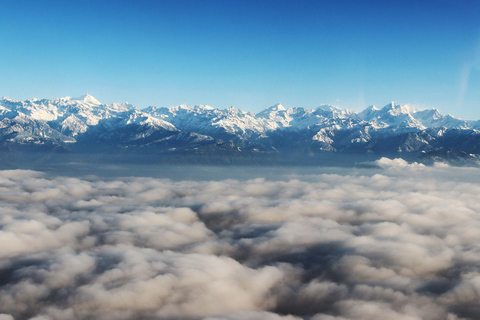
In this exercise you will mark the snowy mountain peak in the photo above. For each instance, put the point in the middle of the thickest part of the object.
(272, 110)
(185, 107)
(390, 106)
(84, 120)
(275, 107)
(232, 109)
(432, 114)
(368, 113)
(276, 113)
(333, 112)
(334, 109)
(278, 107)
(327, 107)
(397, 109)
(87, 98)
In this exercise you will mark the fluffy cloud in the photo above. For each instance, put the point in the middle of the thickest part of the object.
(400, 242)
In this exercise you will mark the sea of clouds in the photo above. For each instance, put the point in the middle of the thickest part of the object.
(400, 243)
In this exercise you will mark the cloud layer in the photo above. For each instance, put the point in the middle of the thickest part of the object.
(401, 243)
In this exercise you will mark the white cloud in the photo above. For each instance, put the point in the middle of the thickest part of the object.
(401, 243)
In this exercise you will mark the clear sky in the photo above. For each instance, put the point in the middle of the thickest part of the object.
(247, 54)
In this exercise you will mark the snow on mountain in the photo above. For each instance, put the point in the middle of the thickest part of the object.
(207, 120)
(325, 137)
(71, 116)
(333, 112)
(87, 99)
(429, 118)
(186, 117)
(275, 116)
(451, 122)
(137, 117)
(325, 128)
(235, 121)
(60, 121)
(392, 115)
(404, 116)
(368, 113)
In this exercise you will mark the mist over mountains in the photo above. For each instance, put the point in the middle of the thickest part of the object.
(85, 125)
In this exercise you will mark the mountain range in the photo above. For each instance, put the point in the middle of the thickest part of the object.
(85, 125)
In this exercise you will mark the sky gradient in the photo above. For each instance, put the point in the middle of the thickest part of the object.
(247, 54)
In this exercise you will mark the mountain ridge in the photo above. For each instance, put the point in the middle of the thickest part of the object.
(83, 123)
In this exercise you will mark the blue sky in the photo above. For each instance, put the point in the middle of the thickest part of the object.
(249, 54)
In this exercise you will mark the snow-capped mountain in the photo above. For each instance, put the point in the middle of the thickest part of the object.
(83, 123)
